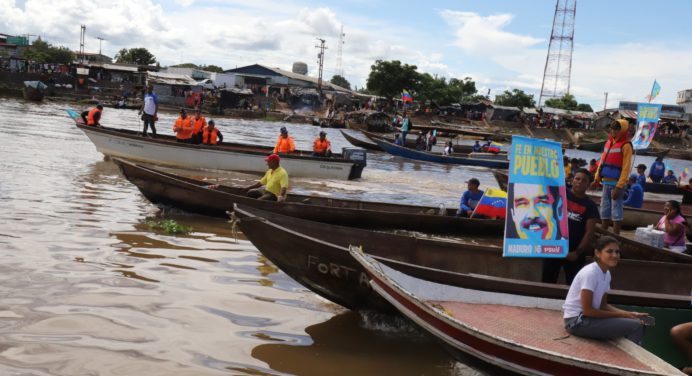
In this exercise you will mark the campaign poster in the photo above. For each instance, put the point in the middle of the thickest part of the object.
(647, 124)
(536, 224)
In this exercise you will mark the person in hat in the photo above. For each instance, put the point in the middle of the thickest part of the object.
(615, 167)
(657, 170)
(284, 144)
(183, 128)
(211, 135)
(274, 184)
(322, 147)
(641, 177)
(470, 198)
(635, 193)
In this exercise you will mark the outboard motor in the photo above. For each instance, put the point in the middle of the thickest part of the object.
(359, 157)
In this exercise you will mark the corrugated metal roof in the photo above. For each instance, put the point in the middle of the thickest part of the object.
(628, 114)
(118, 67)
(170, 79)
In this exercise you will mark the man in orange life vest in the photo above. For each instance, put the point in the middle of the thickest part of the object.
(322, 147)
(613, 172)
(93, 116)
(284, 144)
(198, 125)
(211, 134)
(183, 128)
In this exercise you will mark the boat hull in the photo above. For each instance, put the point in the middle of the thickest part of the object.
(168, 153)
(438, 158)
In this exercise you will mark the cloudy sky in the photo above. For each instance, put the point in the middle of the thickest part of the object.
(621, 46)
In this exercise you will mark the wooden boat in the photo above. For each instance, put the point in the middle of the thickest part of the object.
(670, 153)
(523, 335)
(671, 189)
(650, 212)
(204, 198)
(465, 131)
(302, 249)
(439, 158)
(164, 150)
(654, 153)
(33, 90)
(637, 250)
(369, 145)
(592, 146)
(316, 255)
(411, 142)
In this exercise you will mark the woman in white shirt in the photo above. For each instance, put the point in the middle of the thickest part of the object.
(586, 309)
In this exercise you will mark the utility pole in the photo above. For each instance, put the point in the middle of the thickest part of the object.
(320, 61)
(605, 104)
(339, 63)
(81, 44)
(100, 40)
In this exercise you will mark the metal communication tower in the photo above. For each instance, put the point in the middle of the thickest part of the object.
(558, 63)
(339, 65)
(320, 61)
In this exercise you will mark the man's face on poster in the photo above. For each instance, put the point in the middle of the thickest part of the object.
(644, 135)
(532, 212)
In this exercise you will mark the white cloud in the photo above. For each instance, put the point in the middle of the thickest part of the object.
(477, 34)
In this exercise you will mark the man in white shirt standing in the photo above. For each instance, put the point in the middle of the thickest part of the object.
(150, 107)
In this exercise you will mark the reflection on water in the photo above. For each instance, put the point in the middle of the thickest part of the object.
(89, 288)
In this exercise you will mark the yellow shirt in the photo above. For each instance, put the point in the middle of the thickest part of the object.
(274, 180)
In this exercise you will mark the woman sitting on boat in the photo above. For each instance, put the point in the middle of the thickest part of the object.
(586, 309)
(673, 223)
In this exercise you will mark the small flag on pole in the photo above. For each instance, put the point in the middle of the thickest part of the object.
(655, 90)
(493, 204)
(684, 175)
(406, 96)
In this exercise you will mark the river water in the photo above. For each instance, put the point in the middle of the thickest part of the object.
(89, 288)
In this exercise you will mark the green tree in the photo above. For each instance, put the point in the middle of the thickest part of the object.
(213, 68)
(340, 81)
(584, 107)
(390, 78)
(139, 56)
(43, 52)
(567, 102)
(183, 65)
(431, 88)
(515, 98)
(462, 90)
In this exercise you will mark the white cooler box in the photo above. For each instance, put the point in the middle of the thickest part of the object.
(650, 236)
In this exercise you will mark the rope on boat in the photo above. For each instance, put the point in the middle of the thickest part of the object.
(234, 226)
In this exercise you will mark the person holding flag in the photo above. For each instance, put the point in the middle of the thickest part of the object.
(470, 198)
(493, 204)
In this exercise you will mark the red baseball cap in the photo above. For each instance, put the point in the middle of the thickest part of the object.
(272, 158)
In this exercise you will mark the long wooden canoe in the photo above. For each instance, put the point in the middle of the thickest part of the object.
(592, 146)
(462, 130)
(439, 158)
(355, 141)
(521, 335)
(208, 199)
(671, 189)
(302, 249)
(316, 255)
(164, 150)
(670, 153)
(637, 250)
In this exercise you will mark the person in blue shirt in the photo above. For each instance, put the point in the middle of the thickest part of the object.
(406, 125)
(635, 196)
(657, 170)
(641, 178)
(477, 147)
(670, 178)
(470, 198)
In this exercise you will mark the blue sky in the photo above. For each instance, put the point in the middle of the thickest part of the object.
(620, 46)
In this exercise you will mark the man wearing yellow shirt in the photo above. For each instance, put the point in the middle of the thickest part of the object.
(273, 185)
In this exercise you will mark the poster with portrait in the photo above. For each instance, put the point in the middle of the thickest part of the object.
(647, 124)
(536, 224)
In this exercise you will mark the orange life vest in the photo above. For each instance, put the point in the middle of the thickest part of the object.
(90, 116)
(284, 145)
(319, 146)
(209, 138)
(186, 131)
(199, 124)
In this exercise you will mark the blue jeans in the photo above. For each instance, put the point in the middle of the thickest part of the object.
(612, 209)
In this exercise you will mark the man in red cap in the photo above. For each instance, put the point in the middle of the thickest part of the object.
(273, 185)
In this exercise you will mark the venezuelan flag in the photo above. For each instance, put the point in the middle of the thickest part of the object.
(494, 147)
(406, 96)
(493, 204)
